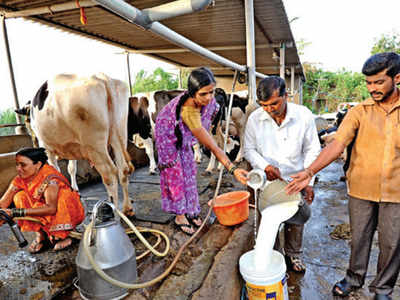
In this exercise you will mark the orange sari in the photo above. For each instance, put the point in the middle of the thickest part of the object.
(70, 211)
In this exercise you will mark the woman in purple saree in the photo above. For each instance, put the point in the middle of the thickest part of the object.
(183, 121)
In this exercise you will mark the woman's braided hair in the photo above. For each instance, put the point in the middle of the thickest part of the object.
(198, 79)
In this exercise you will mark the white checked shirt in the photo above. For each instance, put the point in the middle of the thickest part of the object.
(291, 147)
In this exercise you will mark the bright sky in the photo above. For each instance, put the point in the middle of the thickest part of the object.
(38, 52)
(341, 33)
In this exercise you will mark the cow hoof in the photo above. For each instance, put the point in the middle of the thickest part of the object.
(129, 212)
(152, 173)
(206, 173)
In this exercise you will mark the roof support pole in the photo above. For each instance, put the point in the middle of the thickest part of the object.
(129, 73)
(300, 91)
(250, 49)
(134, 15)
(292, 80)
(282, 61)
(10, 68)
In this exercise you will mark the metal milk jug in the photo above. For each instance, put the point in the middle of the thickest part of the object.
(113, 252)
(273, 192)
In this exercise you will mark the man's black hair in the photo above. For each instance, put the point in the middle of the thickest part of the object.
(268, 85)
(381, 61)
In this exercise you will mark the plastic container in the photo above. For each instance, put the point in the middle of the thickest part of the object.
(268, 283)
(232, 208)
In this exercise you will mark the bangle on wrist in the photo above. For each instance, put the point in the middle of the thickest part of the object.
(18, 212)
(232, 169)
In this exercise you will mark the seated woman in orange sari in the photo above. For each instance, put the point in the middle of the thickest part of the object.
(41, 192)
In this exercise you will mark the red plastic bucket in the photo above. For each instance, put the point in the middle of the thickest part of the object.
(232, 208)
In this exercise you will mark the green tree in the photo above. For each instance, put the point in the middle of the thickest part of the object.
(158, 80)
(388, 42)
(7, 117)
(334, 87)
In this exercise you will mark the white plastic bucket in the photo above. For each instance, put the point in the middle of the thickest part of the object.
(266, 284)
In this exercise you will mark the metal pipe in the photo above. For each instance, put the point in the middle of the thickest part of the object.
(292, 80)
(181, 50)
(129, 73)
(10, 68)
(133, 15)
(49, 9)
(251, 53)
(174, 9)
(282, 61)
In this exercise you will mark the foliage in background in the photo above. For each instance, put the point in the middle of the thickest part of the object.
(388, 42)
(343, 85)
(334, 87)
(7, 117)
(158, 80)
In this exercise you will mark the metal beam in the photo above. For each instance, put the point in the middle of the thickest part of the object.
(181, 50)
(10, 67)
(49, 9)
(129, 73)
(133, 14)
(250, 51)
(282, 61)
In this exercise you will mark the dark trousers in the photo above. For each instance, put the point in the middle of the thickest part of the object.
(365, 218)
(293, 235)
(293, 232)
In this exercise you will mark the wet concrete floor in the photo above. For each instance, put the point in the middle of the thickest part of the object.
(49, 275)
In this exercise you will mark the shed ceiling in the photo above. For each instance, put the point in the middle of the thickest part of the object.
(220, 25)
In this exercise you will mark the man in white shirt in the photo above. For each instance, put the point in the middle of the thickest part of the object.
(281, 138)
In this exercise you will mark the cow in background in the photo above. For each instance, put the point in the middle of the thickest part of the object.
(140, 128)
(236, 126)
(26, 112)
(79, 118)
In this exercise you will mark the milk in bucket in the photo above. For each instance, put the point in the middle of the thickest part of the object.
(264, 269)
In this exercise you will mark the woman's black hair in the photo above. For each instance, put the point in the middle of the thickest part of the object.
(34, 154)
(198, 79)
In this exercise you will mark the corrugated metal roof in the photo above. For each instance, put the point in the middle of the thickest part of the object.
(220, 25)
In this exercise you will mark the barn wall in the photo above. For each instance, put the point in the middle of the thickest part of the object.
(8, 146)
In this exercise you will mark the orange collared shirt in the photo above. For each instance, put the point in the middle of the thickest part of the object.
(374, 172)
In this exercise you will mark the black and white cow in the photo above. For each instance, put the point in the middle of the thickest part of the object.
(80, 118)
(140, 128)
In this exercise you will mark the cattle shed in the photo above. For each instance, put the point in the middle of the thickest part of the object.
(252, 37)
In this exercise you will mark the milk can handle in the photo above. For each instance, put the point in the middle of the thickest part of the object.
(100, 203)
(94, 215)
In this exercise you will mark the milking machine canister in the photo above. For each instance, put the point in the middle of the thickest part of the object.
(113, 252)
(14, 229)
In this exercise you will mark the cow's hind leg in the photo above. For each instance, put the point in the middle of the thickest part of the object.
(149, 148)
(108, 172)
(72, 168)
(53, 160)
(125, 168)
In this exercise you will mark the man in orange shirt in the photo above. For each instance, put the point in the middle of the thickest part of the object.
(373, 177)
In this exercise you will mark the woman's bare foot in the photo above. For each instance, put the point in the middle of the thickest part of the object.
(62, 244)
(37, 243)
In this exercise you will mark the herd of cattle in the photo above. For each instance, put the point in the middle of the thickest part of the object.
(93, 118)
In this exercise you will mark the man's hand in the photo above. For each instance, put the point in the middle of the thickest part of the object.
(299, 182)
(272, 173)
(308, 192)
